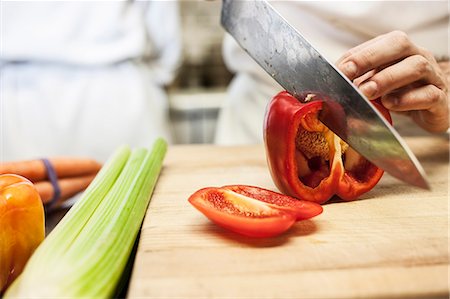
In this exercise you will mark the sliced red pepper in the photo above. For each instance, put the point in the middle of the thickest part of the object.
(252, 211)
(306, 159)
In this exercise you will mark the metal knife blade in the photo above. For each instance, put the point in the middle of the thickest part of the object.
(299, 68)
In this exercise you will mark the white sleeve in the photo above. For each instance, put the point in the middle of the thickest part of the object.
(163, 27)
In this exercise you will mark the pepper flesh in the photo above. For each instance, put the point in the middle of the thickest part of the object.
(22, 226)
(252, 211)
(306, 159)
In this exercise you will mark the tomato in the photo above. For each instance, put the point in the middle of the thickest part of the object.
(252, 211)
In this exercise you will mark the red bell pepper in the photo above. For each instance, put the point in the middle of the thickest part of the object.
(252, 211)
(22, 226)
(306, 159)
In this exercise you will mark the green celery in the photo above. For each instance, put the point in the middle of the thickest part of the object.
(92, 249)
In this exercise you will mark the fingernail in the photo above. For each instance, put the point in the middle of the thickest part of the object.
(350, 69)
(369, 89)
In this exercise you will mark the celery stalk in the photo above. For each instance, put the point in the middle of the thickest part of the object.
(88, 250)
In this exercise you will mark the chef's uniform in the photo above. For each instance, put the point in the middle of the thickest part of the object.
(81, 77)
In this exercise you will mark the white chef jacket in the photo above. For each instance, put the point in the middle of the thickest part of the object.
(81, 78)
(332, 27)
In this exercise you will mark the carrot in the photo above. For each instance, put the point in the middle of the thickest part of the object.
(35, 170)
(69, 187)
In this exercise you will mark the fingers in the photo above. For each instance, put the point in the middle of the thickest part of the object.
(429, 121)
(377, 53)
(360, 47)
(406, 77)
(426, 104)
(412, 69)
(425, 97)
(358, 81)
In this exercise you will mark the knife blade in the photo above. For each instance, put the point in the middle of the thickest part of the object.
(299, 68)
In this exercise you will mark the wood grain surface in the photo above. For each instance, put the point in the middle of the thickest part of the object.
(392, 243)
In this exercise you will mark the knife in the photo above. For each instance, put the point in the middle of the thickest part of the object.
(299, 68)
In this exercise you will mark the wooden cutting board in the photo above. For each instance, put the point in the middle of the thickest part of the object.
(393, 243)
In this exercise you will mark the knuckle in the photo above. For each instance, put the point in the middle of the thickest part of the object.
(422, 66)
(444, 88)
(401, 40)
(433, 94)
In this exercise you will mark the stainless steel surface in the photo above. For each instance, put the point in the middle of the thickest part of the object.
(286, 55)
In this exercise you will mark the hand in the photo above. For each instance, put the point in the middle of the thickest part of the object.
(406, 77)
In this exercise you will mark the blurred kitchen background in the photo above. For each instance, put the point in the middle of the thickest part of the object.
(199, 89)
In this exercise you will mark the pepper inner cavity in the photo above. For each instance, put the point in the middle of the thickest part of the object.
(313, 147)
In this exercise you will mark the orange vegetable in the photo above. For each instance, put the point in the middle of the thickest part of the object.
(35, 170)
(56, 179)
(22, 225)
(69, 187)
